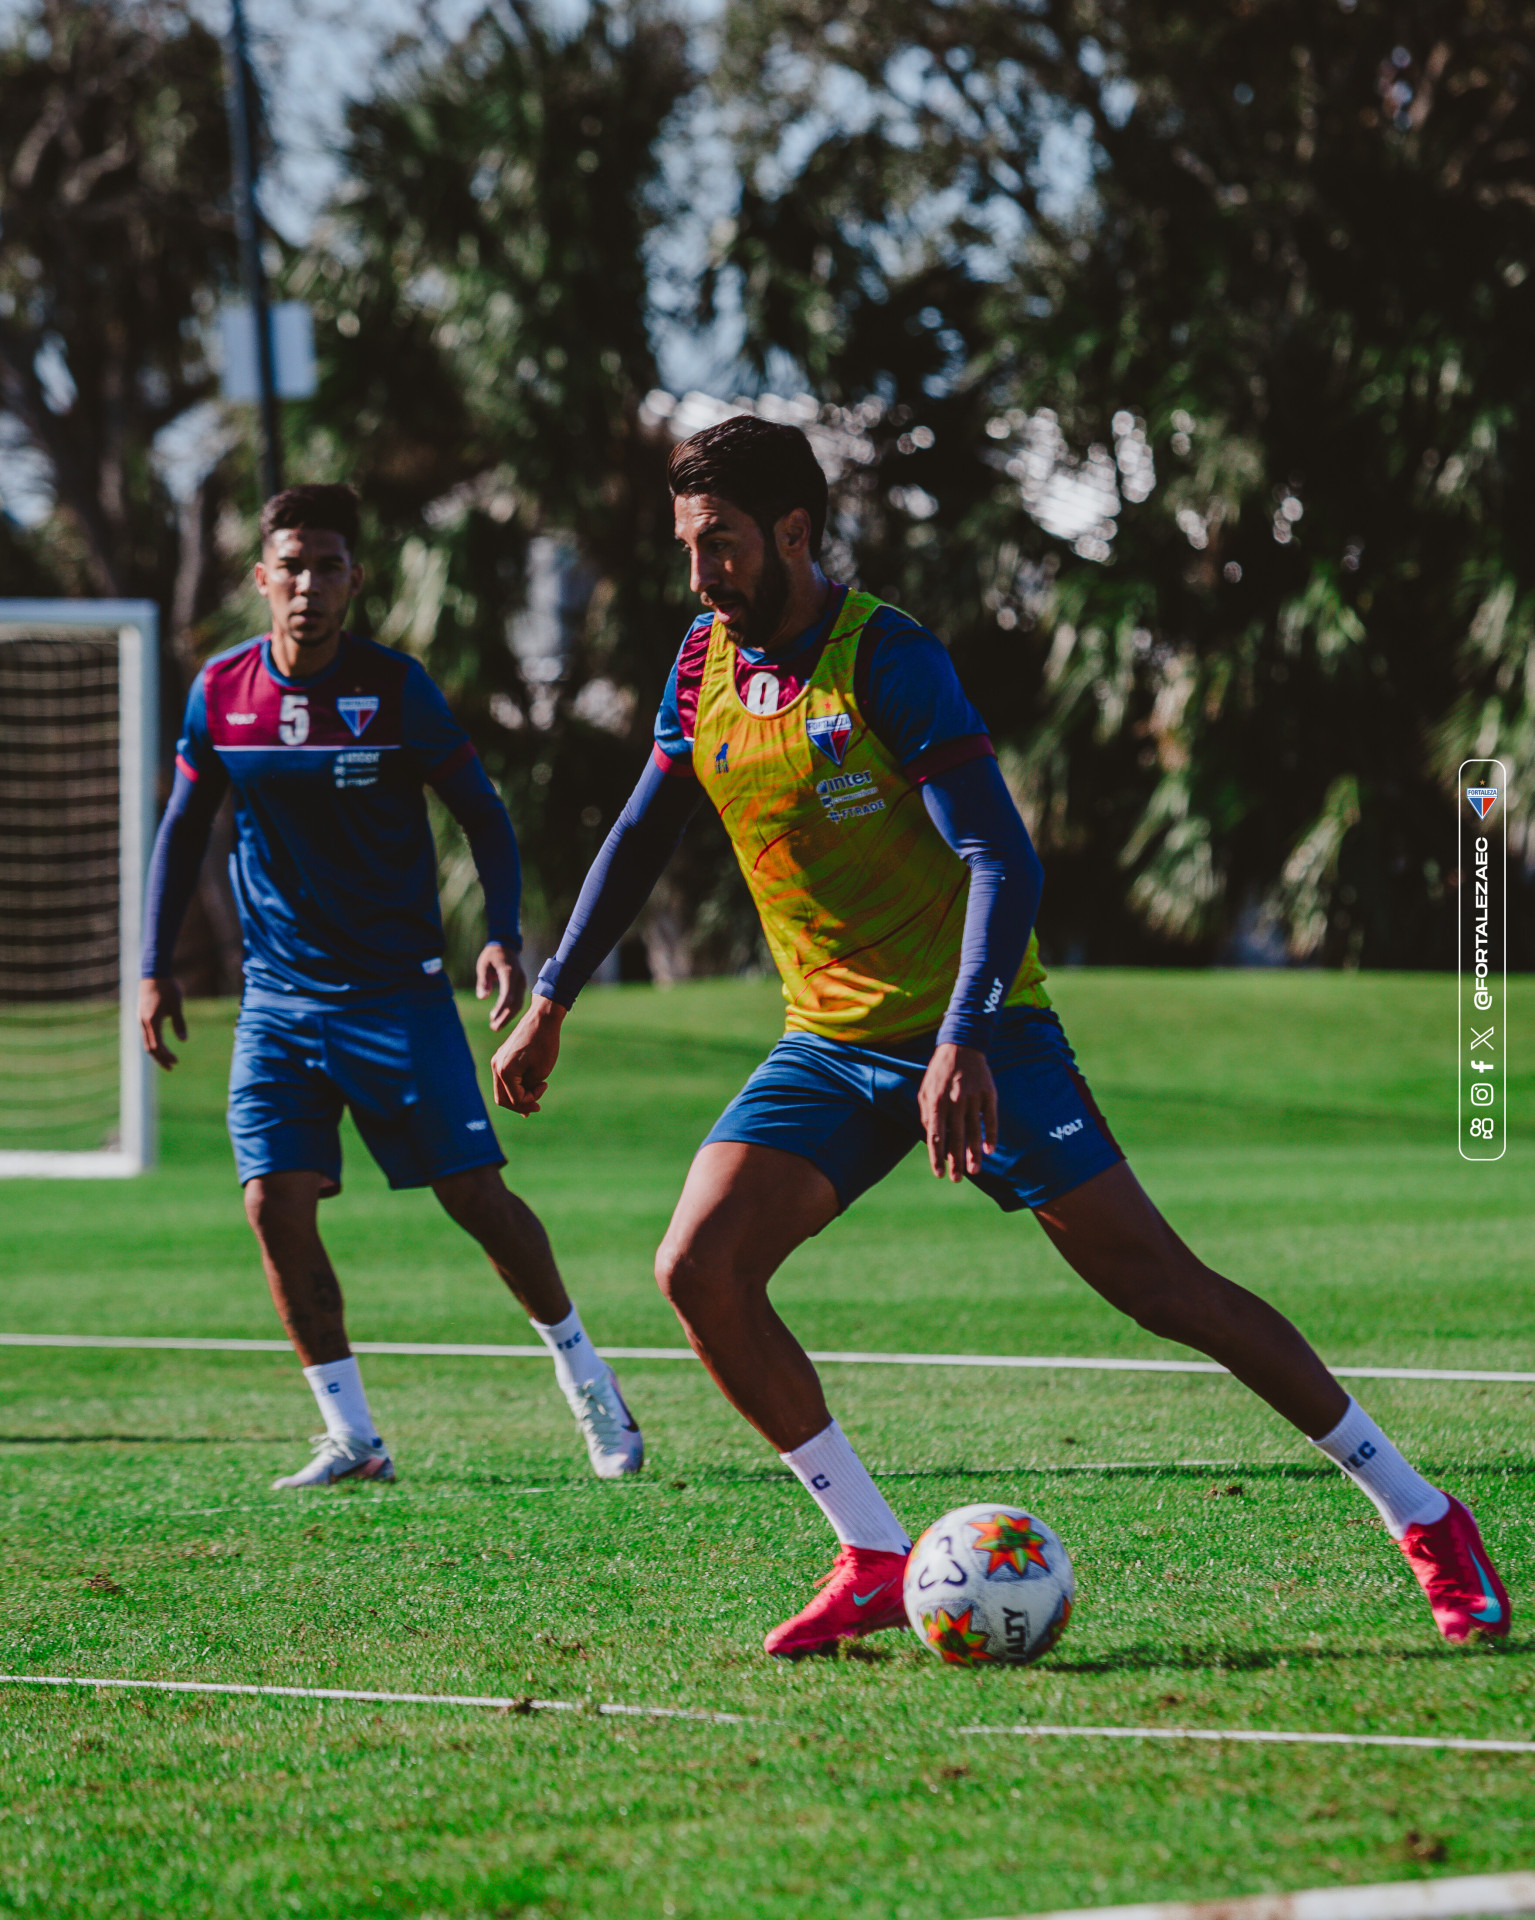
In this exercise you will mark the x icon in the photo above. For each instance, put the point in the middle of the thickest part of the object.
(1482, 1039)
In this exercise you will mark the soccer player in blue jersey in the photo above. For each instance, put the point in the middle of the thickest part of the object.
(897, 888)
(328, 741)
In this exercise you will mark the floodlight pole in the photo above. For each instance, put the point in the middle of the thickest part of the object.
(248, 232)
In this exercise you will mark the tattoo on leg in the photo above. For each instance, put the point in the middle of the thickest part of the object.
(325, 1290)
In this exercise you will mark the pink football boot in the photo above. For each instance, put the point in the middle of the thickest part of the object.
(1463, 1588)
(861, 1594)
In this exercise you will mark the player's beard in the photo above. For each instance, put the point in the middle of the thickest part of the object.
(764, 610)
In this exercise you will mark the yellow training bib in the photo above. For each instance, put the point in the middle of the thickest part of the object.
(861, 899)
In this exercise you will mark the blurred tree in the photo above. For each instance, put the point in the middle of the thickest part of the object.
(1290, 284)
(115, 242)
(114, 236)
(482, 296)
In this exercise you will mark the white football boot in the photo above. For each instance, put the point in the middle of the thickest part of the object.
(613, 1439)
(337, 1459)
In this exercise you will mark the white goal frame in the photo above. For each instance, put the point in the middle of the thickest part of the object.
(137, 626)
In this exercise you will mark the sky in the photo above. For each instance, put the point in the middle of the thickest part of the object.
(314, 58)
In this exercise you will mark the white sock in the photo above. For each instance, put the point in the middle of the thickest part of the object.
(337, 1388)
(838, 1482)
(577, 1363)
(1401, 1495)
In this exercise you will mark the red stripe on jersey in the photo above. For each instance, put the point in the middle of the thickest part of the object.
(673, 764)
(461, 755)
(185, 766)
(947, 754)
(690, 674)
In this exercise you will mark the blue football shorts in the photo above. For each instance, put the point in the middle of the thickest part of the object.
(852, 1111)
(403, 1068)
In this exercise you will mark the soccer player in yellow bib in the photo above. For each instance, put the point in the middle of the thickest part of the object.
(897, 888)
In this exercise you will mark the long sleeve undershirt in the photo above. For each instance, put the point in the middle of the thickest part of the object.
(183, 839)
(970, 806)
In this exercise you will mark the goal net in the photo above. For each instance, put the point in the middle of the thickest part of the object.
(77, 801)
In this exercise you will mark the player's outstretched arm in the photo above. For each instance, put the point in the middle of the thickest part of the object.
(173, 868)
(617, 886)
(524, 1061)
(971, 807)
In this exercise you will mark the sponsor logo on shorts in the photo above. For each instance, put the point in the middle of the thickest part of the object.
(476, 1126)
(431, 966)
(1065, 1132)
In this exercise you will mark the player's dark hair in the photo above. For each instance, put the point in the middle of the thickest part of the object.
(331, 509)
(761, 466)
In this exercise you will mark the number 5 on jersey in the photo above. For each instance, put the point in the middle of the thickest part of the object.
(293, 724)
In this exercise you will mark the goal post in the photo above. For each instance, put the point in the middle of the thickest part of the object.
(79, 709)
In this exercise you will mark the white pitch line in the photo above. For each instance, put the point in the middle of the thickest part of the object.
(509, 1702)
(1262, 1737)
(1447, 1899)
(423, 1349)
(514, 1703)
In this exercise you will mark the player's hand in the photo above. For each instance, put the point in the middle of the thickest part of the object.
(525, 1059)
(499, 971)
(159, 1001)
(958, 1104)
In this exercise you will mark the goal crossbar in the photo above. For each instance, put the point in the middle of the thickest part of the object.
(136, 627)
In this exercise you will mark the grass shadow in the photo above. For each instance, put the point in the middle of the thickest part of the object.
(1145, 1659)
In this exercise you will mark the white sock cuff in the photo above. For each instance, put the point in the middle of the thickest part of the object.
(840, 1484)
(1401, 1495)
(337, 1388)
(1344, 1439)
(575, 1358)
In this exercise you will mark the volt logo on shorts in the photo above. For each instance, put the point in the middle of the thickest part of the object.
(1065, 1132)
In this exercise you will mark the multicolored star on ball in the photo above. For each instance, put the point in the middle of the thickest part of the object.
(953, 1636)
(1011, 1542)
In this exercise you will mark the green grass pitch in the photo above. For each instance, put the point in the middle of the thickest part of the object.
(1297, 1128)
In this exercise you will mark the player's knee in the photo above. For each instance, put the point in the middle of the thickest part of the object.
(691, 1282)
(674, 1273)
(261, 1207)
(477, 1201)
(1158, 1311)
(1174, 1301)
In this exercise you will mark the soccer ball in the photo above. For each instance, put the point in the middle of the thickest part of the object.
(987, 1585)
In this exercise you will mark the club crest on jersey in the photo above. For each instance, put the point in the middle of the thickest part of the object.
(357, 709)
(1484, 799)
(831, 733)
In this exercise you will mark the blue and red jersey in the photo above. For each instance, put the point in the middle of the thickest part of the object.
(906, 684)
(334, 868)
